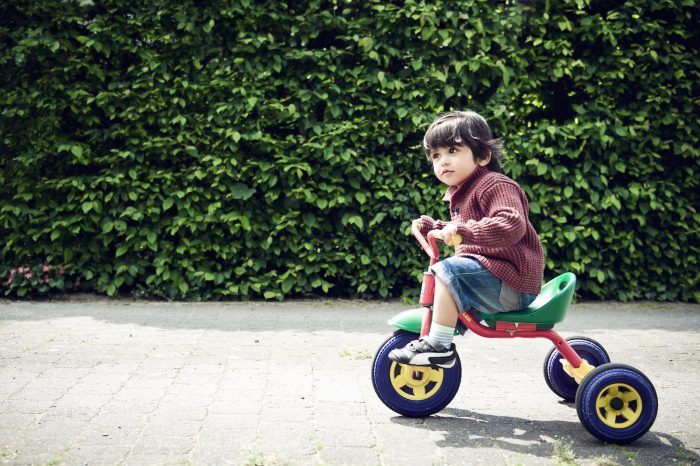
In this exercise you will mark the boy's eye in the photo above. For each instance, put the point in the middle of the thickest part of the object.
(453, 150)
(434, 155)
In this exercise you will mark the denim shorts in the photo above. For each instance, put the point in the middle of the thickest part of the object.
(475, 289)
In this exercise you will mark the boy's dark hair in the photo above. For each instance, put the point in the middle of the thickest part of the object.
(464, 129)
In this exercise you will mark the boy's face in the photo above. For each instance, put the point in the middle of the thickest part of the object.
(452, 165)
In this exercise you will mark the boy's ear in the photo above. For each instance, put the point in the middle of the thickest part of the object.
(485, 161)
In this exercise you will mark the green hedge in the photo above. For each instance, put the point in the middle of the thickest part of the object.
(247, 149)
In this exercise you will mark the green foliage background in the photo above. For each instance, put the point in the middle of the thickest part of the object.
(246, 149)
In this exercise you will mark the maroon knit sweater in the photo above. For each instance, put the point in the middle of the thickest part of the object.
(491, 213)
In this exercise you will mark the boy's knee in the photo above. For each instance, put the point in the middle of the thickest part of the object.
(440, 284)
(442, 291)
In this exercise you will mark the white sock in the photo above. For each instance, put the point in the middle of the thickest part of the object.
(441, 334)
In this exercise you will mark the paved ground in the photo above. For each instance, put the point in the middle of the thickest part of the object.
(114, 382)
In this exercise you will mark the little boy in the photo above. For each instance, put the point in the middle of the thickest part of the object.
(499, 265)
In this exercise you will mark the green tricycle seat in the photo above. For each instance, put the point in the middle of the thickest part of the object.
(547, 309)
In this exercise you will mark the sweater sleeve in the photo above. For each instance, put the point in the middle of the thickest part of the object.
(428, 224)
(505, 222)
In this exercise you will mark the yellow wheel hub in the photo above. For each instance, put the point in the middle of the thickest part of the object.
(619, 405)
(415, 382)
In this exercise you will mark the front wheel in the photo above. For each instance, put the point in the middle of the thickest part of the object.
(616, 403)
(414, 391)
(557, 379)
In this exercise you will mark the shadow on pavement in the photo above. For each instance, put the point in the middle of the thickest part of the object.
(547, 439)
(332, 315)
(342, 316)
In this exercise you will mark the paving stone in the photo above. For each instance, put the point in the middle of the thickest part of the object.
(119, 382)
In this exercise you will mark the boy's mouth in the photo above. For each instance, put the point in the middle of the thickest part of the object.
(444, 172)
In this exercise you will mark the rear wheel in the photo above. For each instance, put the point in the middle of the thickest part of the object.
(557, 379)
(616, 403)
(415, 391)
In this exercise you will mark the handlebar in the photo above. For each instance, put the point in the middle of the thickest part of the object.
(430, 246)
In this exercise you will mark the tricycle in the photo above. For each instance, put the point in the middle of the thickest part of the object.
(615, 402)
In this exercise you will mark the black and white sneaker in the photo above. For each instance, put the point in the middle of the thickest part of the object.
(423, 353)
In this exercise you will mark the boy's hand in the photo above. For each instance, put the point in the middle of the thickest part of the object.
(416, 224)
(450, 236)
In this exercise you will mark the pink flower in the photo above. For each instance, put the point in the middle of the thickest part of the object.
(28, 275)
(21, 270)
(45, 268)
(60, 270)
(10, 277)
